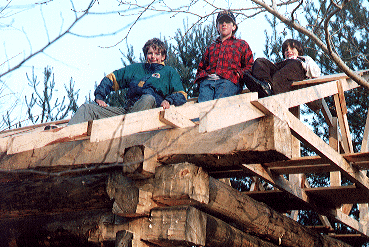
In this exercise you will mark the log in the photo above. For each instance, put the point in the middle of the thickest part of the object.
(188, 226)
(110, 232)
(52, 195)
(246, 213)
(132, 198)
(65, 229)
(178, 226)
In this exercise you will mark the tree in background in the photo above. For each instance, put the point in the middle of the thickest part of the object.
(43, 105)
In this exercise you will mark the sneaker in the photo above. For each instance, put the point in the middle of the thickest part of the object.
(254, 85)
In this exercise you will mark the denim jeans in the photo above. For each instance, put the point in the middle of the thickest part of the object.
(215, 89)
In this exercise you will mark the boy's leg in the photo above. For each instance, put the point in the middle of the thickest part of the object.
(263, 69)
(286, 75)
(88, 112)
(145, 102)
(225, 88)
(206, 90)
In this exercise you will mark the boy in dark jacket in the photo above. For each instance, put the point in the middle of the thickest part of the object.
(150, 85)
(224, 62)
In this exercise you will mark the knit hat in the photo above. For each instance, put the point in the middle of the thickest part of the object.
(227, 14)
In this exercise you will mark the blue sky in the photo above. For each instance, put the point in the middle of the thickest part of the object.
(31, 26)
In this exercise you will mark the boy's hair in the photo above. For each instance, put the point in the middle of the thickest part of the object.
(228, 15)
(156, 44)
(293, 44)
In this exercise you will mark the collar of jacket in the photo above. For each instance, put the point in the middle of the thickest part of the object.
(219, 40)
(153, 67)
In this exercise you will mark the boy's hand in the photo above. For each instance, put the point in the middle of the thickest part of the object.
(101, 103)
(165, 104)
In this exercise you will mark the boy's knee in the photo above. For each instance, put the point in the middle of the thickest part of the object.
(148, 99)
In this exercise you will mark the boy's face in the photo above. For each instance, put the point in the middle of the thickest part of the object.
(290, 52)
(154, 56)
(225, 28)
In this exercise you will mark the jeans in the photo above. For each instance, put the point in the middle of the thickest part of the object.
(216, 89)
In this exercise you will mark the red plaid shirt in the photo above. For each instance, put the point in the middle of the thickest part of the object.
(229, 59)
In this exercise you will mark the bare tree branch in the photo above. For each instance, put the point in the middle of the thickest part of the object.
(67, 31)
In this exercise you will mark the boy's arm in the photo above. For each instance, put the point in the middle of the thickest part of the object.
(109, 83)
(311, 67)
(103, 89)
(177, 96)
(247, 60)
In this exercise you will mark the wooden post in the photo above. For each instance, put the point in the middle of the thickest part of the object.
(295, 179)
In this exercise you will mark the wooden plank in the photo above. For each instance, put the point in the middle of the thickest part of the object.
(220, 116)
(350, 222)
(319, 168)
(280, 182)
(325, 78)
(175, 119)
(364, 144)
(338, 195)
(123, 125)
(327, 113)
(341, 109)
(214, 119)
(32, 141)
(115, 127)
(236, 207)
(31, 128)
(316, 143)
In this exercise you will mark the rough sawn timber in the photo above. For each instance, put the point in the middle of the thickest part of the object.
(264, 139)
(224, 201)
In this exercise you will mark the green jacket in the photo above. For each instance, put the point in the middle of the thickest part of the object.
(166, 80)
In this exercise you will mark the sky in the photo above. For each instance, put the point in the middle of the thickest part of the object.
(26, 27)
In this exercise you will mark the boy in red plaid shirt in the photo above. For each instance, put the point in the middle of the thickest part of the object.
(224, 62)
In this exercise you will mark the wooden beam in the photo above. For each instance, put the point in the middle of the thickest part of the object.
(260, 139)
(327, 113)
(319, 168)
(34, 140)
(338, 195)
(132, 198)
(178, 226)
(109, 232)
(223, 115)
(31, 128)
(341, 109)
(350, 222)
(302, 132)
(280, 182)
(233, 205)
(364, 144)
(325, 78)
(51, 195)
(123, 125)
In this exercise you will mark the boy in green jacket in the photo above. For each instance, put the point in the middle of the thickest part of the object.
(150, 85)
